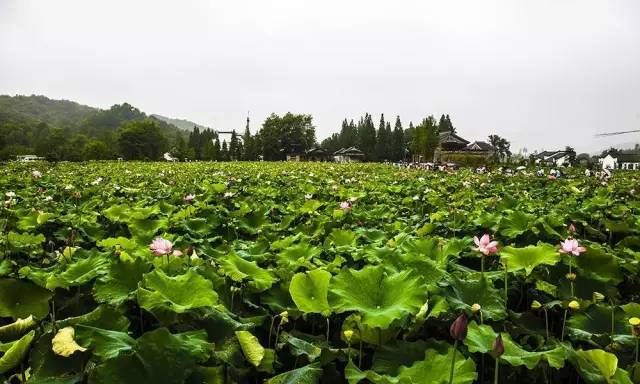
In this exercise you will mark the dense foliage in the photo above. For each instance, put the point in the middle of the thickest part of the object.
(65, 130)
(306, 273)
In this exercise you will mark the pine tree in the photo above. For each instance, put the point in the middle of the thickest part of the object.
(224, 152)
(398, 141)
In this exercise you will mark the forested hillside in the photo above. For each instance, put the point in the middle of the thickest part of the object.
(65, 130)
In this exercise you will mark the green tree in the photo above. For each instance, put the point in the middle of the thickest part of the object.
(397, 141)
(96, 150)
(501, 147)
(281, 135)
(142, 140)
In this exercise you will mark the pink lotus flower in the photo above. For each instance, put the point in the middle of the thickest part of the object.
(571, 246)
(551, 177)
(160, 246)
(345, 205)
(485, 245)
(189, 198)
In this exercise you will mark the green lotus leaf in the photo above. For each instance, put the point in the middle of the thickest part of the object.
(162, 295)
(34, 219)
(15, 352)
(631, 309)
(309, 291)
(241, 270)
(391, 356)
(25, 240)
(120, 282)
(367, 334)
(480, 338)
(207, 375)
(117, 213)
(597, 366)
(5, 267)
(529, 257)
(516, 223)
(309, 374)
(297, 255)
(599, 264)
(197, 342)
(342, 238)
(103, 317)
(16, 329)
(103, 343)
(143, 230)
(380, 298)
(157, 357)
(597, 321)
(21, 299)
(300, 347)
(49, 368)
(434, 368)
(120, 241)
(79, 272)
(253, 351)
(462, 294)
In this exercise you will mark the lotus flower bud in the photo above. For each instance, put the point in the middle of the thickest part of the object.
(597, 297)
(475, 308)
(635, 326)
(284, 317)
(535, 304)
(572, 228)
(497, 348)
(570, 276)
(574, 305)
(348, 334)
(458, 329)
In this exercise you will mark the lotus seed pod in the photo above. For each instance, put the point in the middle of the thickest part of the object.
(597, 296)
(348, 334)
(475, 308)
(535, 304)
(570, 276)
(574, 305)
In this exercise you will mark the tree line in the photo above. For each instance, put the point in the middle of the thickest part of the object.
(64, 130)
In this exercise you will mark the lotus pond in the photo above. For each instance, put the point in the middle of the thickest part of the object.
(315, 273)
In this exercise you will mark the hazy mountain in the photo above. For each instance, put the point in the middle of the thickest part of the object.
(36, 124)
(183, 124)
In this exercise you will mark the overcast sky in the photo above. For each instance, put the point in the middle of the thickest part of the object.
(543, 74)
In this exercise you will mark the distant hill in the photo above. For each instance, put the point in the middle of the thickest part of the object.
(62, 129)
(183, 124)
(60, 113)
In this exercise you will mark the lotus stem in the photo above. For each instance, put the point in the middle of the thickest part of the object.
(506, 278)
(571, 281)
(453, 361)
(637, 339)
(360, 354)
(495, 373)
(613, 317)
(273, 320)
(328, 324)
(482, 266)
(564, 321)
(546, 322)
